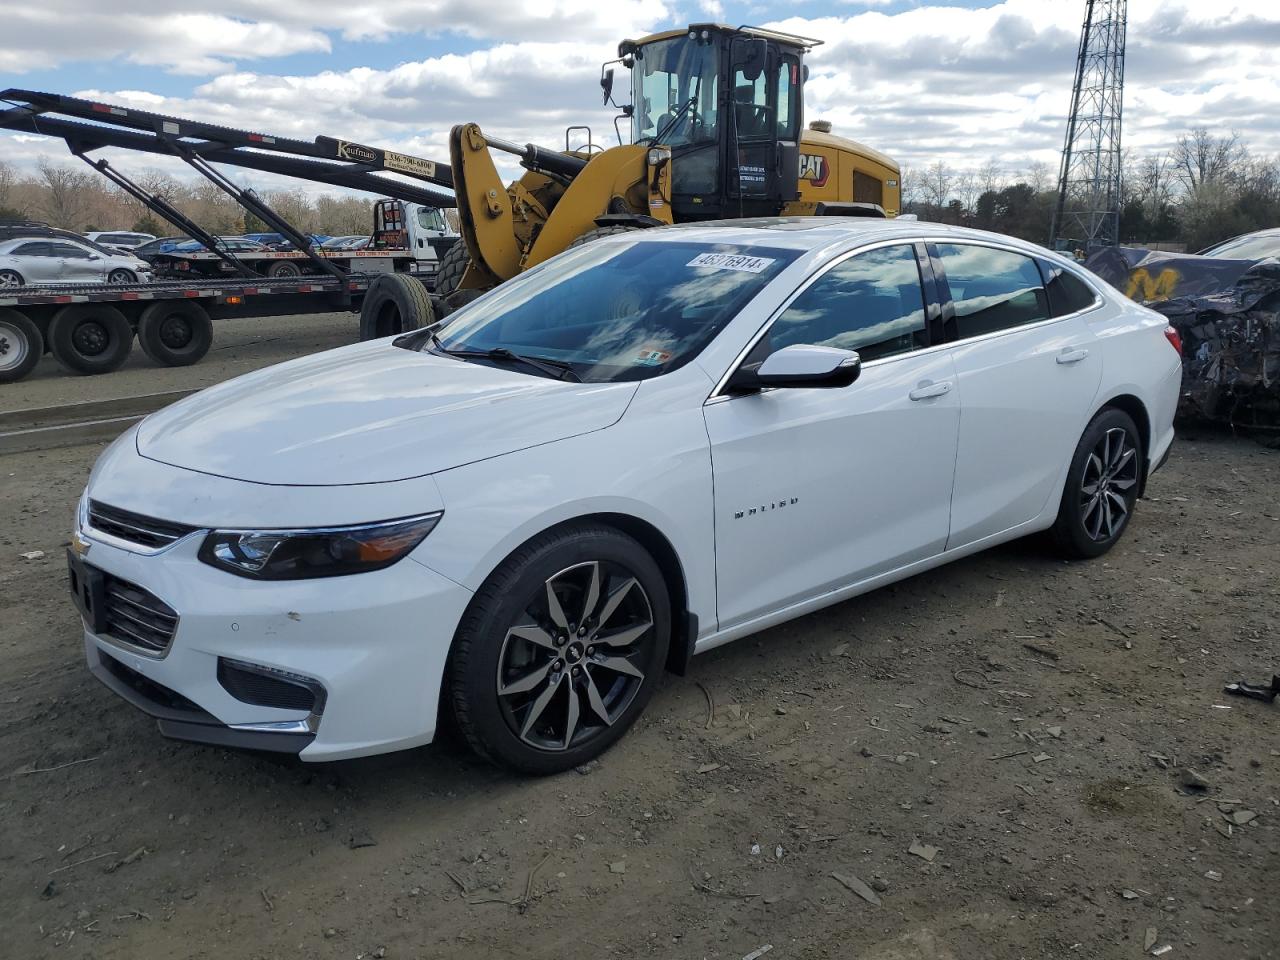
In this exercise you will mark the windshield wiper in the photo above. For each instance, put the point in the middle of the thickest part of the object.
(553, 368)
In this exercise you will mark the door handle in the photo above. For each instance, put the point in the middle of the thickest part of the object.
(1071, 356)
(927, 391)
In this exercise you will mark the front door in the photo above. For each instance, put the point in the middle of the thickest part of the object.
(819, 488)
(79, 265)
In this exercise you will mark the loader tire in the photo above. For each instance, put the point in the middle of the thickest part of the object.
(396, 303)
(598, 232)
(453, 265)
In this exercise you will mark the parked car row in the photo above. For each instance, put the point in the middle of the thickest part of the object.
(38, 259)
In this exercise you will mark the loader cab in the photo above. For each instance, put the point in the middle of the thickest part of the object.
(727, 102)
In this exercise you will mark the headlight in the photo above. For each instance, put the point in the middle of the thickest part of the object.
(321, 552)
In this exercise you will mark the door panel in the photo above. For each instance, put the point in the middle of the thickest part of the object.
(36, 263)
(1025, 397)
(818, 488)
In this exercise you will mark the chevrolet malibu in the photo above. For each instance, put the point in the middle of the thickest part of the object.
(644, 448)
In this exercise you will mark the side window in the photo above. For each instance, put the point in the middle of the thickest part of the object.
(871, 303)
(1067, 292)
(751, 105)
(992, 289)
(33, 250)
(788, 107)
(70, 251)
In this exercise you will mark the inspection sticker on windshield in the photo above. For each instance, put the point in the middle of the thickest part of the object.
(731, 261)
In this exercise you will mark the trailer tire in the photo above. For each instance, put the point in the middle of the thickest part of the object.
(21, 346)
(453, 265)
(90, 338)
(283, 268)
(396, 303)
(175, 333)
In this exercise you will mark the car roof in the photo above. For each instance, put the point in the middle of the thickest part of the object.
(813, 233)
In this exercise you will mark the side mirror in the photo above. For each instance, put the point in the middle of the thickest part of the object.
(754, 59)
(606, 85)
(801, 365)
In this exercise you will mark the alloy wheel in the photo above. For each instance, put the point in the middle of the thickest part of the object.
(9, 279)
(1109, 485)
(568, 668)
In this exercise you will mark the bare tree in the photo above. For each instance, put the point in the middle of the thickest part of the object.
(67, 194)
(991, 176)
(908, 186)
(1201, 158)
(1036, 176)
(1150, 182)
(967, 188)
(938, 180)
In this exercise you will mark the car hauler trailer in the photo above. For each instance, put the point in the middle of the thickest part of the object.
(90, 329)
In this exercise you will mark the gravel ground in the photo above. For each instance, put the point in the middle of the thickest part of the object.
(1019, 723)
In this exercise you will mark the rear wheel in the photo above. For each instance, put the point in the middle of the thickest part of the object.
(1102, 486)
(560, 649)
(21, 346)
(11, 278)
(453, 265)
(283, 269)
(175, 333)
(90, 338)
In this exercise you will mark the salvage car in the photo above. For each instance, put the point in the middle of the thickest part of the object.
(646, 447)
(1258, 245)
(41, 260)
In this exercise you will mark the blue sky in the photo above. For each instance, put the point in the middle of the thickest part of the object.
(971, 83)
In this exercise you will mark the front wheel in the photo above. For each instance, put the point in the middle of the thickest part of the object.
(1102, 486)
(284, 269)
(121, 276)
(560, 649)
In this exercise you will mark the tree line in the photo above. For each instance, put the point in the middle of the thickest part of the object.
(81, 200)
(1207, 188)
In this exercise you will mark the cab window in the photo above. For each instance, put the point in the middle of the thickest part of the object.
(788, 102)
(1067, 292)
(871, 302)
(992, 289)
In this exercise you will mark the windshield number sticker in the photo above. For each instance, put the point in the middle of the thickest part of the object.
(652, 358)
(731, 261)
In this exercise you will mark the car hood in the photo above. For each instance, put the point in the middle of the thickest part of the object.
(371, 413)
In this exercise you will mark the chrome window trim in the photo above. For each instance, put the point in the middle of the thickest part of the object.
(718, 395)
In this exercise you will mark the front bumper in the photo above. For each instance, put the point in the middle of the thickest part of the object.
(372, 645)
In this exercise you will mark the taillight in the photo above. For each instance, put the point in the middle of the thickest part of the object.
(1174, 338)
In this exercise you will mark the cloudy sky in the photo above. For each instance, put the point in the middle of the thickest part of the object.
(961, 80)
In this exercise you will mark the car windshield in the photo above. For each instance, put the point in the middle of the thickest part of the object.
(1246, 248)
(612, 311)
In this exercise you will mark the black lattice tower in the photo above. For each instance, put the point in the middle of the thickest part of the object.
(1088, 210)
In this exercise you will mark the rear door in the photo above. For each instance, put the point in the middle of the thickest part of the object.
(36, 262)
(1028, 375)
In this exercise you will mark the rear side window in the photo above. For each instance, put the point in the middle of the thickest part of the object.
(992, 289)
(870, 302)
(1067, 292)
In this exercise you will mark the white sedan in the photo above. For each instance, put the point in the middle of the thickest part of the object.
(644, 448)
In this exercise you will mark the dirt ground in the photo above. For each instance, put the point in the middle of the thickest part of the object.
(1022, 722)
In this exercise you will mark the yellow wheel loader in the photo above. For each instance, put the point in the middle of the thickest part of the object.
(716, 131)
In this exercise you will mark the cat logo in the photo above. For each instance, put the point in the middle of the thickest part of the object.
(814, 168)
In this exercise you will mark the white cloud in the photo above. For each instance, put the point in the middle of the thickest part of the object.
(930, 82)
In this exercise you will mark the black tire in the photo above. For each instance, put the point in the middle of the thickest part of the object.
(175, 333)
(485, 650)
(283, 268)
(90, 338)
(11, 278)
(1102, 487)
(21, 346)
(610, 231)
(453, 265)
(122, 276)
(395, 303)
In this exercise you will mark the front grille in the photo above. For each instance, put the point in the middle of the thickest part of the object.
(154, 694)
(137, 617)
(264, 687)
(134, 527)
